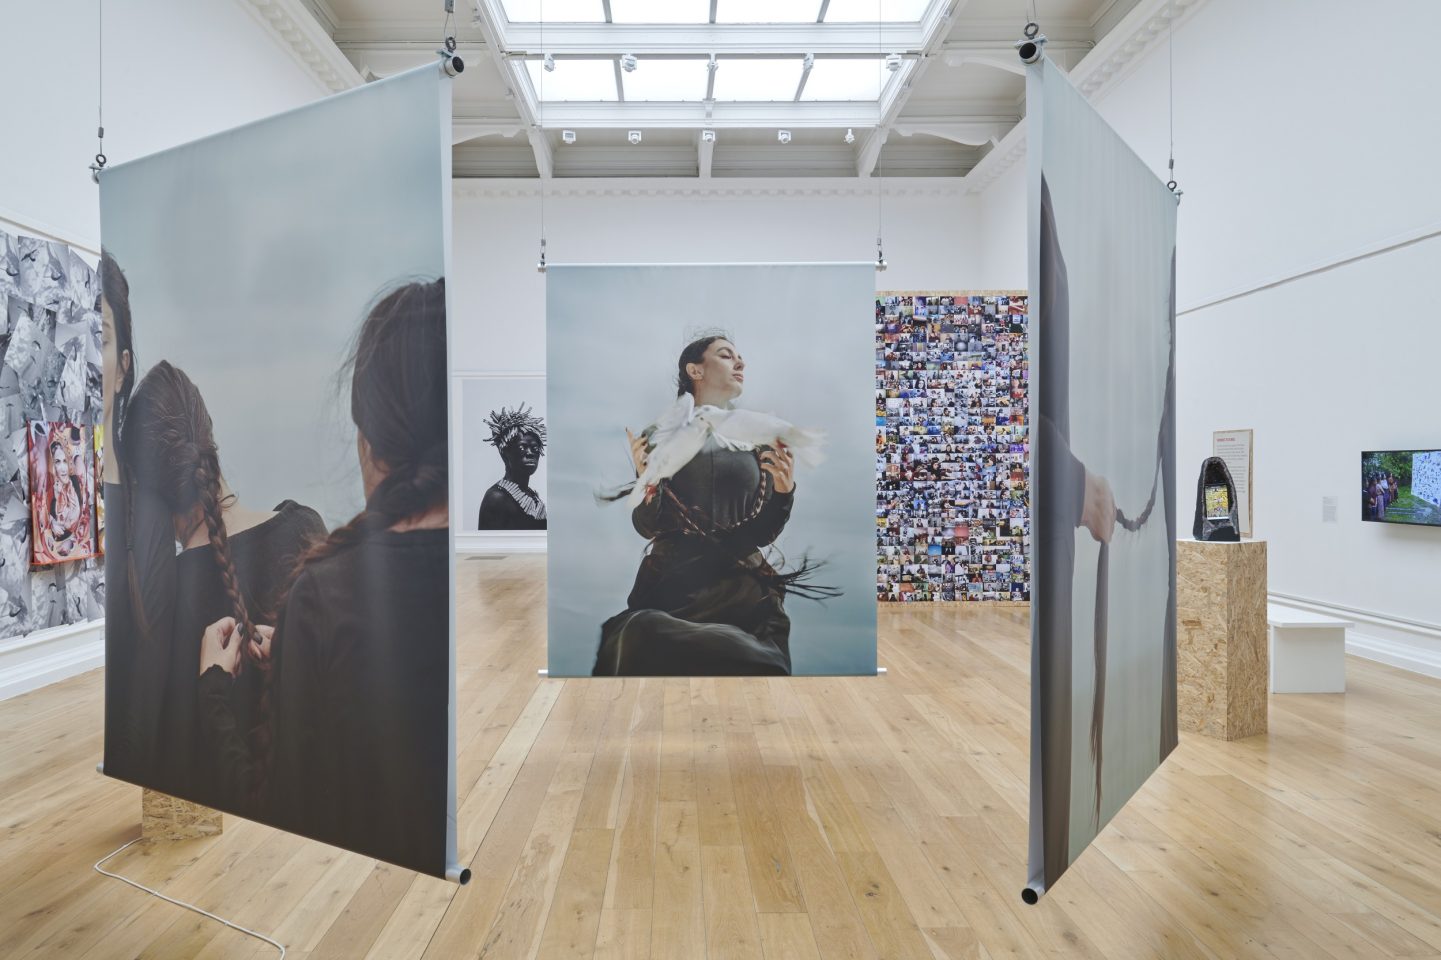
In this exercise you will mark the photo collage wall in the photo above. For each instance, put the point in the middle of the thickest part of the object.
(952, 440)
(50, 369)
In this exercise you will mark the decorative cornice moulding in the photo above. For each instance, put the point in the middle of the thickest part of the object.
(1127, 43)
(478, 189)
(295, 29)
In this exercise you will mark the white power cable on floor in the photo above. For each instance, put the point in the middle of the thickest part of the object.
(179, 903)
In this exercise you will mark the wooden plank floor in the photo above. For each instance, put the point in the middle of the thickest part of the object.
(767, 819)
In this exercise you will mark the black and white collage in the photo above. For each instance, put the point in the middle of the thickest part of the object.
(952, 476)
(50, 373)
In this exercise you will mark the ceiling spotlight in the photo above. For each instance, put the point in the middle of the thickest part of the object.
(633, 136)
(549, 63)
(784, 136)
(893, 62)
(707, 136)
(567, 137)
(850, 135)
(628, 62)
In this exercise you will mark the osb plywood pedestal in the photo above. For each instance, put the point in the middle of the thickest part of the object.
(1222, 666)
(163, 817)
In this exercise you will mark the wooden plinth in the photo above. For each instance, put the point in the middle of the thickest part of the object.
(163, 817)
(1222, 665)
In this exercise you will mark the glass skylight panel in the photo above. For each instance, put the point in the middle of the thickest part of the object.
(757, 80)
(767, 11)
(846, 80)
(555, 11)
(660, 11)
(666, 80)
(865, 11)
(574, 80)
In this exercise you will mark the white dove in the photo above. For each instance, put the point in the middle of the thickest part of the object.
(681, 432)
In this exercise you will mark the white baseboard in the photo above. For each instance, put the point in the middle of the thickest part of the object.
(1408, 644)
(48, 656)
(500, 542)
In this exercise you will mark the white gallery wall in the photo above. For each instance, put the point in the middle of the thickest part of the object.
(932, 242)
(930, 229)
(173, 72)
(1308, 254)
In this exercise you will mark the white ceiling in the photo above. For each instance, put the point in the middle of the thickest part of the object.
(956, 93)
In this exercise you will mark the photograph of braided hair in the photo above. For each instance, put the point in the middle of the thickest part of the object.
(399, 406)
(171, 453)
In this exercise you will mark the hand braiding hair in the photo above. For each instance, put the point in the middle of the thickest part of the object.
(171, 451)
(207, 481)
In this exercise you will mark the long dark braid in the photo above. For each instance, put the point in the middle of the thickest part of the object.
(399, 402)
(172, 452)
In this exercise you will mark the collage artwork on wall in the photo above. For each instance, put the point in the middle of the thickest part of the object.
(50, 512)
(951, 447)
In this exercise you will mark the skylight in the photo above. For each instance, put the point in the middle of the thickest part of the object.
(655, 79)
(756, 79)
(727, 11)
(767, 11)
(659, 11)
(575, 80)
(556, 11)
(845, 80)
(864, 11)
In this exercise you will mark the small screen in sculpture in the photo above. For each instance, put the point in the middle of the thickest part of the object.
(1218, 502)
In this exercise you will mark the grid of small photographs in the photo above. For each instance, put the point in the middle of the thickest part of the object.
(952, 439)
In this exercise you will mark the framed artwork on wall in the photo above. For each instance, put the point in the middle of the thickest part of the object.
(62, 493)
(501, 487)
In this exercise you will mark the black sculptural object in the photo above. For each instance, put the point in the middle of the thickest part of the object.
(1217, 519)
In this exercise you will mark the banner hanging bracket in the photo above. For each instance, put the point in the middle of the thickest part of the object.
(449, 62)
(1032, 44)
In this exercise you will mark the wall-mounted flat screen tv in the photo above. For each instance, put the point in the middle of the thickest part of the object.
(1401, 486)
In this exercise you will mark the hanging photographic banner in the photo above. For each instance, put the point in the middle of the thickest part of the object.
(280, 623)
(712, 486)
(1103, 612)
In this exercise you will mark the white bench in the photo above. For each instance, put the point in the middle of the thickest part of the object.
(1308, 651)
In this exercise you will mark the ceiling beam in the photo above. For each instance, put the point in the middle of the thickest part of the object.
(970, 133)
(544, 157)
(517, 88)
(465, 129)
(893, 99)
(695, 114)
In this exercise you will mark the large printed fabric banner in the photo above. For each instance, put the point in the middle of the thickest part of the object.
(712, 485)
(279, 624)
(1103, 677)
